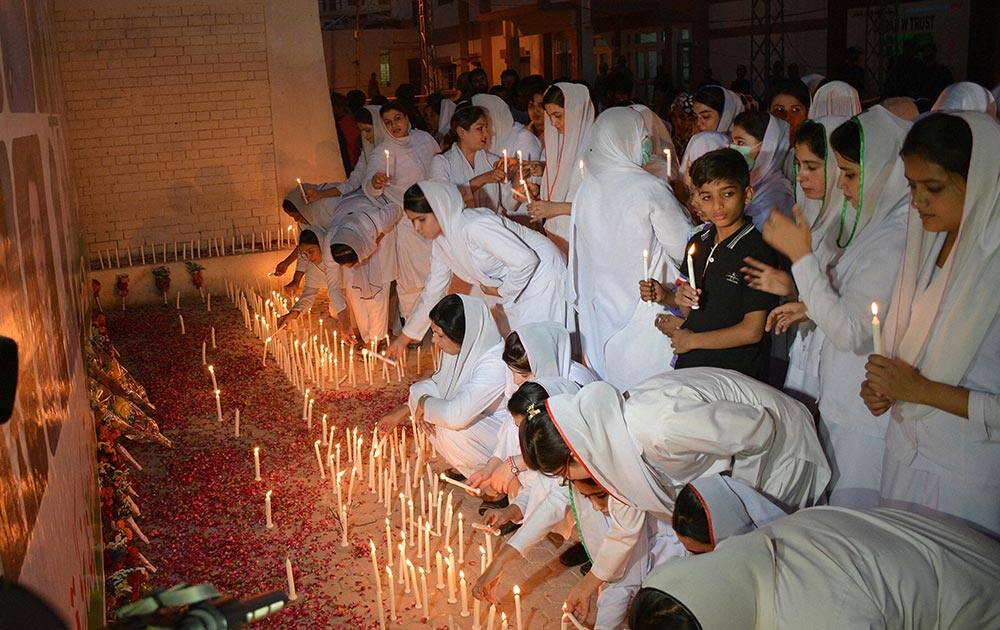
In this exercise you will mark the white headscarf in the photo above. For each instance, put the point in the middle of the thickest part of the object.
(449, 210)
(444, 116)
(965, 96)
(378, 127)
(835, 98)
(319, 213)
(942, 343)
(658, 132)
(500, 119)
(767, 177)
(557, 385)
(548, 348)
(563, 150)
(592, 423)
(812, 82)
(816, 210)
(732, 507)
(356, 228)
(700, 144)
(731, 108)
(481, 335)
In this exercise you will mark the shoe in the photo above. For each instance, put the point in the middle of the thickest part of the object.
(586, 567)
(496, 504)
(574, 556)
(555, 540)
(509, 528)
(451, 473)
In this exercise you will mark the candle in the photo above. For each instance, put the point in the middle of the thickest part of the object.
(325, 440)
(420, 536)
(461, 539)
(447, 479)
(482, 559)
(582, 170)
(181, 317)
(204, 359)
(211, 372)
(213, 327)
(503, 621)
(301, 189)
(267, 510)
(218, 406)
(517, 607)
(263, 360)
(343, 526)
(475, 615)
(505, 163)
(388, 541)
(387, 156)
(411, 574)
(568, 616)
(319, 460)
(291, 579)
(256, 463)
(236, 430)
(210, 310)
(449, 513)
(178, 303)
(670, 163)
(465, 594)
(876, 329)
(439, 564)
(691, 277)
(427, 546)
(645, 264)
(423, 587)
(520, 166)
(452, 598)
(527, 193)
(491, 617)
(392, 591)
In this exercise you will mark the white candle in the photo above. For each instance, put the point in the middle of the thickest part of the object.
(491, 617)
(388, 541)
(645, 264)
(319, 460)
(517, 607)
(178, 303)
(567, 616)
(482, 559)
(461, 539)
(387, 156)
(213, 327)
(475, 615)
(670, 164)
(181, 317)
(211, 372)
(505, 163)
(465, 594)
(236, 430)
(423, 591)
(876, 329)
(691, 277)
(439, 564)
(503, 621)
(527, 193)
(343, 526)
(411, 573)
(452, 598)
(325, 441)
(267, 510)
(210, 309)
(582, 169)
(218, 406)
(392, 591)
(447, 479)
(301, 189)
(291, 580)
(520, 166)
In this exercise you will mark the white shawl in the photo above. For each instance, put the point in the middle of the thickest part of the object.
(548, 348)
(563, 151)
(453, 167)
(835, 98)
(481, 335)
(700, 144)
(812, 82)
(444, 116)
(966, 96)
(815, 209)
(505, 132)
(659, 134)
(358, 227)
(732, 507)
(319, 213)
(771, 189)
(941, 344)
(733, 107)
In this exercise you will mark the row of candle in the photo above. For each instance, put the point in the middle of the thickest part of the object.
(158, 253)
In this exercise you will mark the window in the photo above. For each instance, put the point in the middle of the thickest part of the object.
(383, 67)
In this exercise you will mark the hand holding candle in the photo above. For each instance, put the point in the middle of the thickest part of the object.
(876, 330)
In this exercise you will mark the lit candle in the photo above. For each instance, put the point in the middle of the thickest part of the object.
(211, 372)
(491, 617)
(388, 541)
(423, 587)
(503, 621)
(204, 359)
(645, 264)
(568, 616)
(325, 440)
(447, 479)
(465, 594)
(452, 598)
(256, 463)
(181, 317)
(378, 583)
(517, 606)
(482, 559)
(489, 547)
(319, 460)
(291, 579)
(876, 329)
(420, 536)
(267, 510)
(301, 189)
(527, 193)
(439, 564)
(691, 278)
(411, 573)
(670, 163)
(387, 156)
(213, 327)
(392, 591)
(263, 360)
(505, 163)
(218, 406)
(520, 166)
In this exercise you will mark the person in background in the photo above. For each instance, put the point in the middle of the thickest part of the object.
(531, 91)
(835, 98)
(438, 111)
(348, 135)
(373, 86)
(741, 84)
(356, 99)
(763, 140)
(406, 95)
(715, 108)
(509, 79)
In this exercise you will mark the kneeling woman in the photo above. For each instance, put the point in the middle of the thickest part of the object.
(318, 275)
(463, 401)
(505, 259)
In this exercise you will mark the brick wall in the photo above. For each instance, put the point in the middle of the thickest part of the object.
(169, 110)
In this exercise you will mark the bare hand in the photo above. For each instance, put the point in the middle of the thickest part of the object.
(532, 188)
(286, 318)
(791, 237)
(539, 210)
(667, 323)
(395, 417)
(281, 268)
(652, 291)
(492, 291)
(894, 379)
(498, 518)
(783, 317)
(380, 180)
(396, 348)
(502, 477)
(534, 168)
(291, 288)
(687, 297)
(764, 277)
(485, 588)
(877, 404)
(492, 176)
(481, 478)
(579, 598)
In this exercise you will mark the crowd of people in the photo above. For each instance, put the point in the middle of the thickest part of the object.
(742, 360)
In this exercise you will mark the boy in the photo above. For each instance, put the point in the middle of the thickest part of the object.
(723, 324)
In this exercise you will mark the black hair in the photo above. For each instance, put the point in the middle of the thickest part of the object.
(414, 200)
(498, 90)
(652, 609)
(434, 101)
(356, 99)
(509, 72)
(542, 446)
(711, 95)
(393, 106)
(338, 100)
(531, 85)
(529, 393)
(754, 123)
(943, 139)
(514, 354)
(308, 237)
(406, 92)
(478, 72)
(554, 96)
(794, 88)
(619, 81)
(380, 100)
(463, 117)
(721, 164)
(813, 135)
(289, 207)
(846, 140)
(343, 254)
(690, 519)
(363, 115)
(449, 315)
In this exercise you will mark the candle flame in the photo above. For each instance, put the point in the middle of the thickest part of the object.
(517, 589)
(691, 250)
(211, 368)
(268, 494)
(875, 309)
(217, 392)
(461, 574)
(256, 449)
(645, 253)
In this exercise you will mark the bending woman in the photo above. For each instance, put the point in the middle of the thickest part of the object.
(463, 401)
(504, 259)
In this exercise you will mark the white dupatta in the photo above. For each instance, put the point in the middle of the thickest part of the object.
(563, 151)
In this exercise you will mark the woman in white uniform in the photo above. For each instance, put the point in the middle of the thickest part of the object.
(762, 140)
(409, 153)
(463, 401)
(965, 96)
(835, 98)
(617, 333)
(831, 568)
(468, 163)
(505, 132)
(315, 269)
(852, 267)
(937, 375)
(671, 430)
(716, 108)
(504, 259)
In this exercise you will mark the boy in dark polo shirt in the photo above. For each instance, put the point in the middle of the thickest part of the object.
(726, 329)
